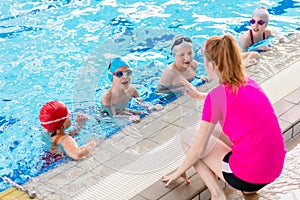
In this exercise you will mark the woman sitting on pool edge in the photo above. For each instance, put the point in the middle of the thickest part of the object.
(184, 66)
(55, 118)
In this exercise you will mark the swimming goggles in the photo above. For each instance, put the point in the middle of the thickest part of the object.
(260, 22)
(180, 40)
(56, 120)
(120, 74)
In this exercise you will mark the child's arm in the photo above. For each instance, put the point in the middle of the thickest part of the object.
(73, 150)
(80, 120)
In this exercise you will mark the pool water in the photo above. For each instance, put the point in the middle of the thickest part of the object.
(53, 49)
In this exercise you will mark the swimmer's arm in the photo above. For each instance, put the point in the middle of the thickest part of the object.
(108, 109)
(106, 102)
(245, 41)
(107, 98)
(135, 93)
(73, 150)
(80, 120)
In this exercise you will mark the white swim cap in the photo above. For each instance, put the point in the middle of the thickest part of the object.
(261, 12)
(180, 41)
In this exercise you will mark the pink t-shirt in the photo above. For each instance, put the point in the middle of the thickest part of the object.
(250, 122)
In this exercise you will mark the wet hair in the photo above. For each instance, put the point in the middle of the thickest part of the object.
(261, 12)
(226, 54)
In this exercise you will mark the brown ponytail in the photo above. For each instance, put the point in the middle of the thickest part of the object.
(226, 54)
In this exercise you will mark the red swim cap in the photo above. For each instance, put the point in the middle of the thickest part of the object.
(53, 115)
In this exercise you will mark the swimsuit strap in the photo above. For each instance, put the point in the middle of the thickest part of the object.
(264, 36)
(251, 36)
(58, 137)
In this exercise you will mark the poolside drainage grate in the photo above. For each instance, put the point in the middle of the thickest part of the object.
(139, 175)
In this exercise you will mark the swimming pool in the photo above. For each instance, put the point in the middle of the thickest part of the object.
(60, 50)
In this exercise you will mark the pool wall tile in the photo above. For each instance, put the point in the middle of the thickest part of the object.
(288, 134)
(291, 115)
(294, 97)
(165, 134)
(282, 107)
(189, 120)
(284, 125)
(296, 129)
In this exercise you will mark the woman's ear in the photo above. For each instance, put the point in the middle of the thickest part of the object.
(211, 65)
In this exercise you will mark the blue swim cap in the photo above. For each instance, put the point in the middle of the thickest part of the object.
(114, 65)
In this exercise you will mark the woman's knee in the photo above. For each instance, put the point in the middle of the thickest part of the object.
(187, 137)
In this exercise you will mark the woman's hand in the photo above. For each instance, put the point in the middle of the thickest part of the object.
(174, 176)
(191, 90)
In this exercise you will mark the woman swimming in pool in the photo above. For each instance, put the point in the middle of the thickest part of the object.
(184, 65)
(258, 30)
(55, 118)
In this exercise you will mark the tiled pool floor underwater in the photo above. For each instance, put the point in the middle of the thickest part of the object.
(109, 167)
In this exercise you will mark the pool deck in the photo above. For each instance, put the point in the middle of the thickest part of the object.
(130, 164)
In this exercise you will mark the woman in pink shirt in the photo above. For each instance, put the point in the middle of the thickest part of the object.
(253, 154)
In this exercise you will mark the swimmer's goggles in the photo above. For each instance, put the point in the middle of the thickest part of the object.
(120, 74)
(180, 40)
(260, 22)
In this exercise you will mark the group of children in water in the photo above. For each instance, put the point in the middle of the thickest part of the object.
(223, 62)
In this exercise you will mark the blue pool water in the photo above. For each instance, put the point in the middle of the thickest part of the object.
(60, 50)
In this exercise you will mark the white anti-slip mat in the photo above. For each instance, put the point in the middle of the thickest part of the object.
(138, 175)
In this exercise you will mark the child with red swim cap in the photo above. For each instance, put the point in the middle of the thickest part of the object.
(55, 118)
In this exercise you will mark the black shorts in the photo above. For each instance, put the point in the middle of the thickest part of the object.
(238, 183)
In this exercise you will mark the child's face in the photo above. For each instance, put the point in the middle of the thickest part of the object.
(184, 57)
(122, 77)
(258, 24)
